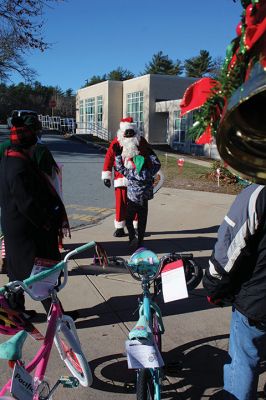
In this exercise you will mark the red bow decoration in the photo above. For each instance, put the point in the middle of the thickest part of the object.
(206, 137)
(197, 94)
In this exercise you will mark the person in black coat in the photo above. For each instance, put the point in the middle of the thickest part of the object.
(32, 213)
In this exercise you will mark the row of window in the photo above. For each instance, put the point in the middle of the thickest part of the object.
(88, 114)
(91, 114)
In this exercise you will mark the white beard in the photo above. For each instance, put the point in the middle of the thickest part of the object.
(130, 149)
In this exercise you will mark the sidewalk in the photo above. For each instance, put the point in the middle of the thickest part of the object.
(196, 333)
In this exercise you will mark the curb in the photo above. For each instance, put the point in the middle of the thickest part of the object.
(79, 139)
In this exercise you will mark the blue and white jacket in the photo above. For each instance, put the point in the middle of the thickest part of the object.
(140, 185)
(237, 267)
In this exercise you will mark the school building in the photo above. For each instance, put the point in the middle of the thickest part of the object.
(152, 100)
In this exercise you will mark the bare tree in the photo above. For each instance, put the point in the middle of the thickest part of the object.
(21, 30)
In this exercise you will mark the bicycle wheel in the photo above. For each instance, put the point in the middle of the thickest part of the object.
(144, 387)
(156, 332)
(67, 343)
(193, 273)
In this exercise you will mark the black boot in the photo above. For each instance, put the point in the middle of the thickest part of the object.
(119, 232)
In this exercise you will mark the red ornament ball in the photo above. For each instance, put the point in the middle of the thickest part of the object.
(239, 29)
(250, 18)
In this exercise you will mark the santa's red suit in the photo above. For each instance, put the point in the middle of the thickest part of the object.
(131, 146)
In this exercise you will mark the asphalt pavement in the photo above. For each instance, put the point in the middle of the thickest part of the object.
(196, 333)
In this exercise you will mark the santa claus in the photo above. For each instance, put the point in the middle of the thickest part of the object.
(132, 143)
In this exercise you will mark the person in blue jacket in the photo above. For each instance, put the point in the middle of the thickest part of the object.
(236, 276)
(140, 175)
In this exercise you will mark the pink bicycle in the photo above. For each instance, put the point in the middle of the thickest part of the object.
(28, 381)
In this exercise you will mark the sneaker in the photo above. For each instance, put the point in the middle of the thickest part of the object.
(119, 232)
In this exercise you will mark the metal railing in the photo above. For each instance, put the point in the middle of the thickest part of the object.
(69, 125)
(64, 125)
(91, 128)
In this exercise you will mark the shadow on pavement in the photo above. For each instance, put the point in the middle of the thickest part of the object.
(210, 229)
(121, 248)
(123, 309)
(196, 376)
(201, 375)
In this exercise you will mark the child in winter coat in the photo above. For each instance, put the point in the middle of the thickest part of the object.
(139, 190)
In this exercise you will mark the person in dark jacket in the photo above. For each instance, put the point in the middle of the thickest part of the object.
(139, 190)
(32, 213)
(41, 156)
(237, 276)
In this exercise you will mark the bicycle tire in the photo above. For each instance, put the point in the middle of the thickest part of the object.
(156, 332)
(144, 386)
(67, 343)
(193, 273)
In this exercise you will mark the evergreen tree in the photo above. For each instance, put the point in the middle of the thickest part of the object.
(120, 74)
(95, 79)
(199, 66)
(162, 64)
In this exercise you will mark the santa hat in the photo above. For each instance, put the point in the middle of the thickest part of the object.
(127, 123)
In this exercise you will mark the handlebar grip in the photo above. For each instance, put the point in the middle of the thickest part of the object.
(84, 247)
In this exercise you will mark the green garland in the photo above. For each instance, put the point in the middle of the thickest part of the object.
(229, 80)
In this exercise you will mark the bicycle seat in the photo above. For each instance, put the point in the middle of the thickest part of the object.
(12, 348)
(144, 262)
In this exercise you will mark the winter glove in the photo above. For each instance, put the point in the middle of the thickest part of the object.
(216, 302)
(107, 182)
(117, 149)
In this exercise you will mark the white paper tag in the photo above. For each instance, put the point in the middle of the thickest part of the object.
(41, 288)
(174, 282)
(144, 354)
(22, 384)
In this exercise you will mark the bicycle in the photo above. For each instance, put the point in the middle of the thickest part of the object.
(28, 381)
(146, 335)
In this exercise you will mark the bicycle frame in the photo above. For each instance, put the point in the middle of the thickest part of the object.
(147, 308)
(41, 359)
(58, 323)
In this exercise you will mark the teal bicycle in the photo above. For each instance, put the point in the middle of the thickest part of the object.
(145, 339)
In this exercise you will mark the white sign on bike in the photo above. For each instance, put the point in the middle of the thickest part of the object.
(42, 288)
(174, 281)
(143, 355)
(22, 384)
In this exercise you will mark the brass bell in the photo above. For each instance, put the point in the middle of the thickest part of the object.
(241, 136)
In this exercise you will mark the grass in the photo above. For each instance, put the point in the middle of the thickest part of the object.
(188, 171)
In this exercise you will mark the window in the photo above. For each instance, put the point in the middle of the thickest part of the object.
(90, 110)
(135, 108)
(81, 112)
(100, 111)
(181, 126)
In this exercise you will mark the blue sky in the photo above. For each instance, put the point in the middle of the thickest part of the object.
(93, 37)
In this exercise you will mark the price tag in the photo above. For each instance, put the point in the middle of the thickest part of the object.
(174, 281)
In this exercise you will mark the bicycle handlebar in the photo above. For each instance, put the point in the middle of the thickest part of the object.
(14, 285)
(138, 277)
